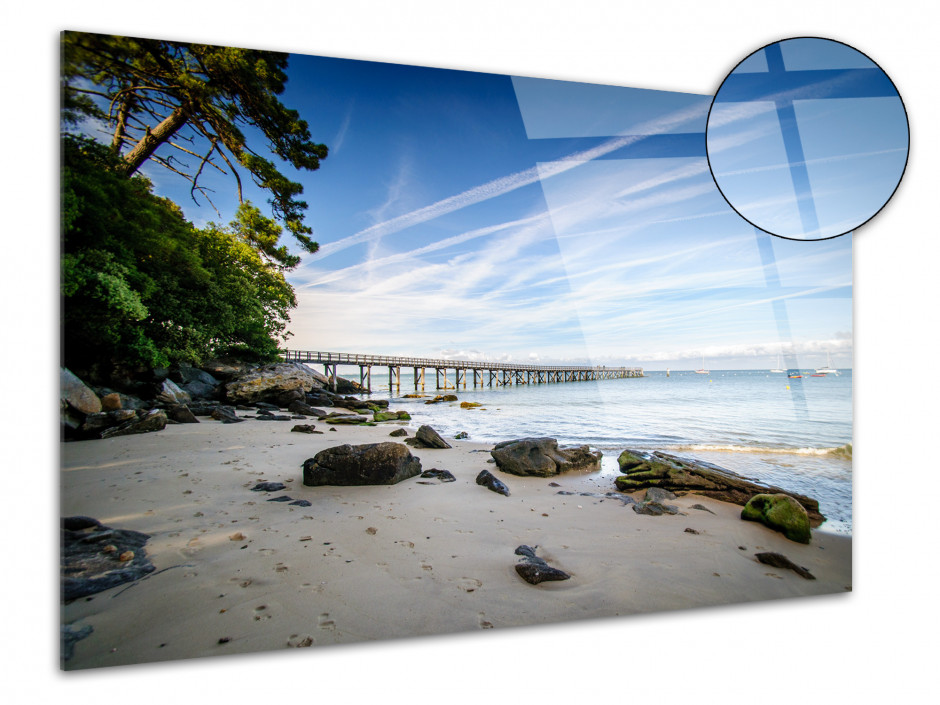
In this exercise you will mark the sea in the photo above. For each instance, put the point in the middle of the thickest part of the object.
(795, 433)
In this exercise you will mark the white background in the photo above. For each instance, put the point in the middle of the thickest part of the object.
(878, 642)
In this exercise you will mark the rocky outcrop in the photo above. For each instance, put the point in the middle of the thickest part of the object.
(642, 470)
(542, 457)
(391, 416)
(398, 433)
(74, 394)
(535, 570)
(345, 419)
(270, 381)
(96, 557)
(225, 414)
(302, 407)
(181, 414)
(490, 482)
(199, 384)
(371, 464)
(779, 512)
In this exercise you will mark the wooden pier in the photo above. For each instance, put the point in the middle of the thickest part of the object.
(492, 374)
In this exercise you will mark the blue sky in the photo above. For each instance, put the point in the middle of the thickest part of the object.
(481, 216)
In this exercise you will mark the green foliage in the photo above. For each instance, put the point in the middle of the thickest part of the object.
(184, 106)
(143, 286)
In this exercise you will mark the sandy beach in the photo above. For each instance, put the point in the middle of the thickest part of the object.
(235, 573)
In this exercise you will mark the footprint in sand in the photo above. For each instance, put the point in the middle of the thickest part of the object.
(483, 622)
(469, 584)
(261, 612)
(324, 622)
(298, 641)
(267, 551)
(425, 566)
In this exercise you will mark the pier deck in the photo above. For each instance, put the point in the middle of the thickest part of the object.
(498, 374)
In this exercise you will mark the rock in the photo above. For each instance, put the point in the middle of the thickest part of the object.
(269, 487)
(286, 398)
(272, 417)
(535, 570)
(301, 503)
(655, 509)
(301, 407)
(542, 457)
(95, 424)
(470, 404)
(304, 428)
(182, 414)
(391, 416)
(225, 369)
(111, 402)
(461, 436)
(442, 475)
(225, 414)
(169, 393)
(490, 482)
(430, 438)
(87, 569)
(398, 433)
(657, 494)
(153, 420)
(779, 512)
(282, 498)
(76, 395)
(271, 380)
(370, 464)
(702, 508)
(643, 470)
(344, 419)
(449, 397)
(778, 560)
(70, 634)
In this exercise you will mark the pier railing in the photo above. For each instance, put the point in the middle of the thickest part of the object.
(499, 373)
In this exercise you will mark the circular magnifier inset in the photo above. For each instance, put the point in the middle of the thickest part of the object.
(807, 138)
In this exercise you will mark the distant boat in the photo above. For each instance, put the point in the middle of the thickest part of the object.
(702, 371)
(828, 369)
(781, 371)
(794, 374)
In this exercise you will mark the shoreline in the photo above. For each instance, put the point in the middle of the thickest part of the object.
(390, 561)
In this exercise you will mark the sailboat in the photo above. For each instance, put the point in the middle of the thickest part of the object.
(828, 369)
(702, 371)
(778, 369)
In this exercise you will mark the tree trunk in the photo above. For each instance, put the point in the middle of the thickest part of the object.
(152, 140)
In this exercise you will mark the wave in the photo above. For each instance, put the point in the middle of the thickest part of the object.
(844, 451)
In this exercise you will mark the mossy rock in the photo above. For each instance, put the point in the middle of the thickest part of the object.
(470, 404)
(781, 513)
(391, 416)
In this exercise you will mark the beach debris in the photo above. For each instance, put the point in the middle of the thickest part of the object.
(398, 433)
(779, 512)
(778, 560)
(542, 457)
(269, 487)
(304, 428)
(372, 531)
(370, 464)
(692, 531)
(442, 475)
(88, 569)
(225, 414)
(535, 570)
(71, 633)
(644, 469)
(490, 482)
(553, 484)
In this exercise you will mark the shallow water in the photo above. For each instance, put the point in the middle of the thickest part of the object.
(793, 433)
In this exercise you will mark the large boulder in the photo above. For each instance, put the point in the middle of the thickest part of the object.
(76, 395)
(781, 513)
(199, 384)
(96, 557)
(642, 470)
(371, 464)
(543, 458)
(271, 381)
